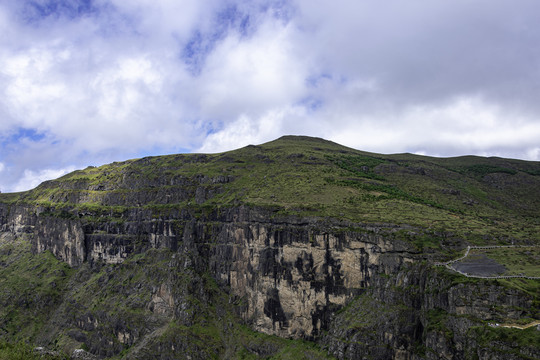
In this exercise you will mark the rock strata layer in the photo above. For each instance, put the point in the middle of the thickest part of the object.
(354, 288)
(289, 272)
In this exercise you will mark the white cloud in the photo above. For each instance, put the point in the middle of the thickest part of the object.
(141, 77)
(31, 179)
(533, 154)
(252, 75)
(462, 126)
(245, 130)
(1, 167)
(127, 96)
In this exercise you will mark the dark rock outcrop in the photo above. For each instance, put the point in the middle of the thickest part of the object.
(289, 271)
(292, 276)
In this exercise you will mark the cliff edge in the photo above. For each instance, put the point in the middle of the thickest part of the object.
(228, 255)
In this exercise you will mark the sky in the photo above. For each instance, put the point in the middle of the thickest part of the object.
(89, 82)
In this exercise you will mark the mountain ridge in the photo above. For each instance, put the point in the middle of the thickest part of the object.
(334, 170)
(216, 254)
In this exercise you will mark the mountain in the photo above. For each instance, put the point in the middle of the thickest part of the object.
(297, 248)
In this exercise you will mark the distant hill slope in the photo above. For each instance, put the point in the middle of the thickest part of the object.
(299, 248)
(471, 196)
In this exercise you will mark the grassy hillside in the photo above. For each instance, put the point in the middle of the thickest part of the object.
(473, 197)
(459, 200)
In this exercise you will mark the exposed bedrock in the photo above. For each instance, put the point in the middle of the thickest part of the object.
(288, 273)
(422, 314)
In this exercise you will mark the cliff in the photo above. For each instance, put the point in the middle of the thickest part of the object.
(299, 238)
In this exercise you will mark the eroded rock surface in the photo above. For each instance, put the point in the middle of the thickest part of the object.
(354, 288)
(290, 272)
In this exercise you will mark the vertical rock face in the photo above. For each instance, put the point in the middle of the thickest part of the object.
(290, 275)
(422, 314)
(17, 219)
(64, 238)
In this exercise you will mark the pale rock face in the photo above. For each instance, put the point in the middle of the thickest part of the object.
(110, 255)
(124, 337)
(290, 282)
(289, 276)
(162, 301)
(64, 238)
(6, 237)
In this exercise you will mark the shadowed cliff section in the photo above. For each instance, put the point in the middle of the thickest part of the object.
(177, 254)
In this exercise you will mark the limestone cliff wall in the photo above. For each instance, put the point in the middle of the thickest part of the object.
(17, 218)
(291, 277)
(64, 238)
(290, 274)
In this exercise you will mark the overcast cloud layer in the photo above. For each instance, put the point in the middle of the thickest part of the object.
(90, 82)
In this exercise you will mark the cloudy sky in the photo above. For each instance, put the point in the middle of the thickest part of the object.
(94, 81)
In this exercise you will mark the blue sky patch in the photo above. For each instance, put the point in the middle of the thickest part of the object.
(36, 11)
(314, 81)
(201, 44)
(22, 134)
(311, 103)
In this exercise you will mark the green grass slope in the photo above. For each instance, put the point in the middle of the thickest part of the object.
(476, 198)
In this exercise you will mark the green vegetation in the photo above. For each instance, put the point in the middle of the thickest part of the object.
(484, 169)
(518, 260)
(212, 340)
(436, 319)
(530, 287)
(364, 314)
(498, 339)
(9, 198)
(27, 281)
(442, 205)
(23, 351)
(454, 278)
(312, 177)
(359, 165)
